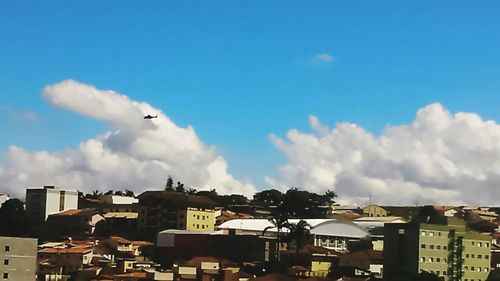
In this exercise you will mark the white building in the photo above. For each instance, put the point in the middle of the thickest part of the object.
(42, 202)
(118, 199)
(333, 234)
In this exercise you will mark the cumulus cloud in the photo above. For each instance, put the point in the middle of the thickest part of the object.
(323, 58)
(135, 153)
(439, 158)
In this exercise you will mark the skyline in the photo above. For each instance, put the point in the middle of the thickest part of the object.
(247, 78)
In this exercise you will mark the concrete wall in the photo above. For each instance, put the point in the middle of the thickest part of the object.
(21, 257)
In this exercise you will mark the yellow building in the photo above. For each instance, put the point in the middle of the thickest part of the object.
(161, 210)
(196, 219)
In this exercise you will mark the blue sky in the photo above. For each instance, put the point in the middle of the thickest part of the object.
(238, 71)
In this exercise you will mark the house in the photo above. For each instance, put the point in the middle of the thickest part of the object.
(119, 223)
(73, 222)
(42, 202)
(311, 261)
(370, 260)
(229, 215)
(407, 212)
(61, 258)
(18, 258)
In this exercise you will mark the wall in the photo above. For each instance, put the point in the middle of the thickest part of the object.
(21, 258)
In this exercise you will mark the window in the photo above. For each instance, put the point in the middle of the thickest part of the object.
(472, 243)
(485, 269)
(431, 247)
(472, 268)
(486, 257)
(438, 260)
(431, 234)
(422, 259)
(438, 247)
(479, 256)
(431, 259)
(197, 226)
(479, 244)
(444, 247)
(444, 272)
(466, 256)
(478, 269)
(439, 234)
(6, 262)
(466, 267)
(472, 255)
(7, 248)
(5, 275)
(422, 246)
(486, 244)
(423, 233)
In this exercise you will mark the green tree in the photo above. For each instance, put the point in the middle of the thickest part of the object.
(14, 219)
(279, 222)
(300, 233)
(169, 186)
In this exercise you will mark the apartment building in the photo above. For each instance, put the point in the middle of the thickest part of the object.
(18, 258)
(42, 202)
(160, 210)
(445, 249)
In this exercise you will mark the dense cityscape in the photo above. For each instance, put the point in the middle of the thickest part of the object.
(179, 233)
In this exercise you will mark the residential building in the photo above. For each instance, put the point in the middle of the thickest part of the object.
(79, 223)
(18, 258)
(42, 202)
(172, 244)
(63, 259)
(162, 210)
(407, 212)
(445, 249)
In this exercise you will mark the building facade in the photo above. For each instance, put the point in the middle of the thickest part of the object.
(42, 202)
(160, 210)
(446, 250)
(18, 258)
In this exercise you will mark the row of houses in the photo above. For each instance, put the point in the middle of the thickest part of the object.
(154, 235)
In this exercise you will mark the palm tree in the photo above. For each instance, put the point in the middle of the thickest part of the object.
(300, 232)
(279, 222)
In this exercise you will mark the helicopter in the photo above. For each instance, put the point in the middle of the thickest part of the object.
(150, 116)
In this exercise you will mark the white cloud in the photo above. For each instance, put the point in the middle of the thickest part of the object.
(134, 153)
(323, 58)
(439, 158)
(19, 114)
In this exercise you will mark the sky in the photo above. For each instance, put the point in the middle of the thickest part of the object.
(267, 93)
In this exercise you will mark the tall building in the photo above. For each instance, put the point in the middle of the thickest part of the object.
(41, 202)
(18, 258)
(445, 249)
(160, 210)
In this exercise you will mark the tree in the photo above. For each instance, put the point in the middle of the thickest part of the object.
(169, 186)
(14, 217)
(279, 222)
(180, 187)
(191, 191)
(300, 233)
(129, 193)
(271, 197)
